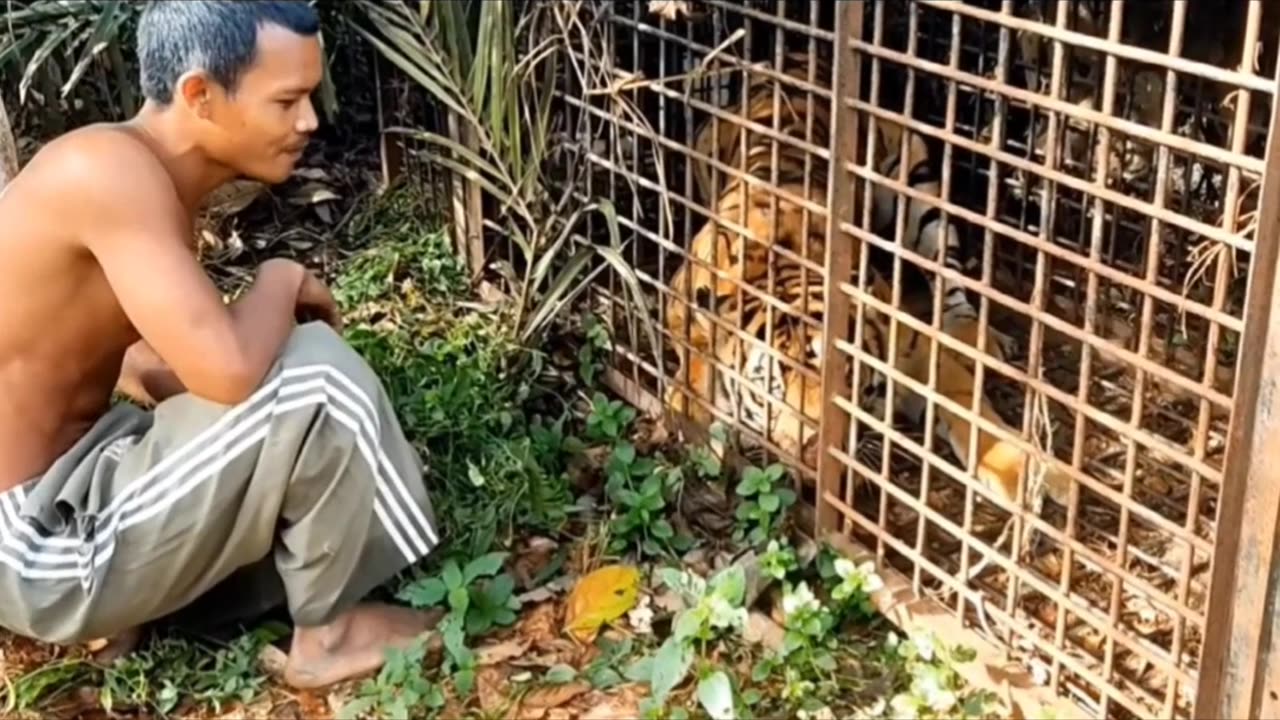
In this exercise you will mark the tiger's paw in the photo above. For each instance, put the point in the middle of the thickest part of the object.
(1001, 469)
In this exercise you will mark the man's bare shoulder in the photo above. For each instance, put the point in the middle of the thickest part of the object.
(99, 167)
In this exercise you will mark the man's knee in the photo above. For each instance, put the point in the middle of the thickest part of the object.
(316, 344)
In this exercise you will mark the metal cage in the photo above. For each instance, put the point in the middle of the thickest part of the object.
(977, 272)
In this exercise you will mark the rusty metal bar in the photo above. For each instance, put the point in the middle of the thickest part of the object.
(1234, 660)
(1169, 102)
(1112, 196)
(834, 423)
(1090, 265)
(1111, 47)
(1039, 300)
(1098, 488)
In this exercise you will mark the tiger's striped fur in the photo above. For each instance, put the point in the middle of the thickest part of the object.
(721, 292)
(806, 118)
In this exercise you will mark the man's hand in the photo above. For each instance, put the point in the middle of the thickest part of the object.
(145, 377)
(315, 302)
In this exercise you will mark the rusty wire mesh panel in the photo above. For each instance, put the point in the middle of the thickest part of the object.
(1069, 186)
(1107, 198)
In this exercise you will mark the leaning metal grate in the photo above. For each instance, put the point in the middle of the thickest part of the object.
(1092, 172)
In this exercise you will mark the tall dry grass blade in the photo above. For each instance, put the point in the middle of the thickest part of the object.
(414, 71)
(52, 41)
(8, 149)
(103, 34)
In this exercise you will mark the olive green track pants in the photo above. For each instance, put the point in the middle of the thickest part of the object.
(307, 494)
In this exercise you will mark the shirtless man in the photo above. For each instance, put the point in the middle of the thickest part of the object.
(269, 468)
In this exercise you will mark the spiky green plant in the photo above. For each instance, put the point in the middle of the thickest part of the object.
(53, 47)
(494, 68)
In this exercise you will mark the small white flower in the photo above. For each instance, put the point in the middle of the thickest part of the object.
(845, 568)
(928, 685)
(923, 643)
(799, 599)
(903, 706)
(871, 580)
(641, 617)
(943, 701)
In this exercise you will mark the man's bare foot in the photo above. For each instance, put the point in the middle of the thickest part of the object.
(354, 644)
(108, 650)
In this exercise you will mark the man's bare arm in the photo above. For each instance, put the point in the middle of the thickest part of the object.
(138, 231)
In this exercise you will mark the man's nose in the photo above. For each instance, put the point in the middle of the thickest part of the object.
(307, 120)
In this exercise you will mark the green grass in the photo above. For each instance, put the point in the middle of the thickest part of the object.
(489, 427)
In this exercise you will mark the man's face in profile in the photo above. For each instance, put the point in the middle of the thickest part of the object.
(262, 127)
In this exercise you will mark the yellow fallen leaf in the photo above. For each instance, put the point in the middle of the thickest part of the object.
(599, 598)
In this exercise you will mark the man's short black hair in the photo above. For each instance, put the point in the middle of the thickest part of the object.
(217, 36)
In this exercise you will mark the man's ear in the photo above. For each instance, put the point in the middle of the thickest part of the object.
(195, 90)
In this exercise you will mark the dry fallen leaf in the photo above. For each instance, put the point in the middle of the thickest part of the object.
(311, 174)
(599, 598)
(553, 696)
(233, 197)
(311, 193)
(538, 624)
(763, 630)
(535, 555)
(491, 687)
(622, 703)
(669, 9)
(501, 652)
(547, 591)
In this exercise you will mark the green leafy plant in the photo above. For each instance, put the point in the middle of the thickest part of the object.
(712, 607)
(850, 585)
(609, 419)
(55, 44)
(935, 688)
(778, 560)
(495, 76)
(606, 670)
(399, 690)
(762, 503)
(76, 58)
(498, 461)
(595, 343)
(476, 592)
(640, 490)
(478, 598)
(169, 671)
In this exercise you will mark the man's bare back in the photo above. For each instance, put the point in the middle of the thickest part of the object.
(63, 334)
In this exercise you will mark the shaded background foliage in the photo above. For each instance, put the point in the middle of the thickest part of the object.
(66, 63)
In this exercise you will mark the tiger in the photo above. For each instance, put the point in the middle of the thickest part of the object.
(925, 227)
(788, 373)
